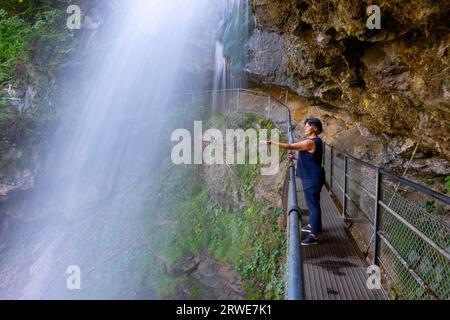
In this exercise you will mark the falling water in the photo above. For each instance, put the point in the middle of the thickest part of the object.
(219, 77)
(231, 51)
(108, 141)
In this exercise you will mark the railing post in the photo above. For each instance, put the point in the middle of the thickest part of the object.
(268, 106)
(377, 219)
(344, 197)
(238, 99)
(324, 153)
(331, 170)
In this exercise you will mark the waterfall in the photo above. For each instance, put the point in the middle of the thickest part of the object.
(108, 140)
(219, 78)
(231, 52)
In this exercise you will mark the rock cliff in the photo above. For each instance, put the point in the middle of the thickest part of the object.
(379, 91)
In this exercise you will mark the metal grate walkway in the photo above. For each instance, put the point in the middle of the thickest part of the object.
(335, 269)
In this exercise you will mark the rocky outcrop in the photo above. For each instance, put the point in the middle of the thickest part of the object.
(236, 190)
(208, 278)
(18, 171)
(227, 189)
(381, 84)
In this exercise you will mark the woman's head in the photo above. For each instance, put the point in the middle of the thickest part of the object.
(313, 126)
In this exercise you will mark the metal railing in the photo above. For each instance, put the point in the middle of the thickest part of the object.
(400, 225)
(249, 101)
(229, 100)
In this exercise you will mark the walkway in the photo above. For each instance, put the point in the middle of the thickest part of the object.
(335, 269)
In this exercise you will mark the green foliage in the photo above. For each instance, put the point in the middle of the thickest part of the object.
(265, 268)
(14, 34)
(447, 184)
(43, 42)
(247, 175)
(432, 207)
(50, 42)
(428, 205)
(254, 244)
(34, 46)
(250, 241)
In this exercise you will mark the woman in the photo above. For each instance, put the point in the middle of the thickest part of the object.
(310, 170)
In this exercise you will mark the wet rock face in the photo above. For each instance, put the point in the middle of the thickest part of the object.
(393, 81)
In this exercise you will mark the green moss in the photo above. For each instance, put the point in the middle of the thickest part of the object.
(196, 290)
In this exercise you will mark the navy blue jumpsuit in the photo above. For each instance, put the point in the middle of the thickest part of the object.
(310, 170)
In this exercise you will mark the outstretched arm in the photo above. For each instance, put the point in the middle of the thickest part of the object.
(305, 145)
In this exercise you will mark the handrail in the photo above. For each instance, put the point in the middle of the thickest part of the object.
(238, 90)
(219, 90)
(295, 272)
(417, 186)
(409, 183)
(386, 217)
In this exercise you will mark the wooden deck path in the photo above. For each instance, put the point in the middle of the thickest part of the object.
(335, 269)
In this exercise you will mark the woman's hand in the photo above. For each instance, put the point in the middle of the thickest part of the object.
(268, 142)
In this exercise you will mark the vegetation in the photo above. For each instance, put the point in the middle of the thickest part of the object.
(250, 240)
(447, 184)
(188, 221)
(34, 48)
(431, 207)
(35, 38)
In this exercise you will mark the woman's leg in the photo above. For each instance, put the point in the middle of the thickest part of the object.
(308, 199)
(312, 196)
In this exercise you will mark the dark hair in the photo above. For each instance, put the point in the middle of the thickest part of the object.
(316, 123)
